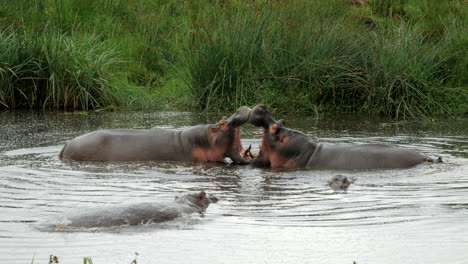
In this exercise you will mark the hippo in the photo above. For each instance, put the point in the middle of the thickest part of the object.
(144, 213)
(340, 183)
(282, 147)
(208, 142)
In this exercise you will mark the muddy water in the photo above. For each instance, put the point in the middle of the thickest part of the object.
(419, 215)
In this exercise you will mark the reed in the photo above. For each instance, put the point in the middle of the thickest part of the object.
(407, 74)
(314, 59)
(402, 59)
(56, 71)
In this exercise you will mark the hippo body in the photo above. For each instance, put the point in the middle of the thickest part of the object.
(360, 157)
(144, 213)
(133, 144)
(211, 142)
(286, 148)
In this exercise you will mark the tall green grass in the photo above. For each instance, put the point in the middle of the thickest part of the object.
(307, 57)
(92, 53)
(407, 74)
(56, 71)
(221, 60)
(402, 59)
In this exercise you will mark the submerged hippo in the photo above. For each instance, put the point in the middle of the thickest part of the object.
(340, 183)
(286, 148)
(145, 213)
(212, 142)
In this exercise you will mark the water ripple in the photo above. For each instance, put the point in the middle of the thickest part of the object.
(274, 208)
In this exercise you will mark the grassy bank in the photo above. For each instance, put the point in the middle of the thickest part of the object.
(402, 59)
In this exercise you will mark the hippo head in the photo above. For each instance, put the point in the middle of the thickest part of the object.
(261, 117)
(340, 182)
(281, 147)
(224, 137)
(198, 201)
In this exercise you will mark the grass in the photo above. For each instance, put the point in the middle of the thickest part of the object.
(56, 71)
(316, 60)
(402, 59)
(407, 74)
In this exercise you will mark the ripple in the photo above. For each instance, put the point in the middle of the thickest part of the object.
(399, 210)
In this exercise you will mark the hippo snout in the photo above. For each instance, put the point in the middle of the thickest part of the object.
(212, 198)
(239, 117)
(340, 182)
(260, 116)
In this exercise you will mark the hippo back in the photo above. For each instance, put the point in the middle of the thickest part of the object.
(144, 213)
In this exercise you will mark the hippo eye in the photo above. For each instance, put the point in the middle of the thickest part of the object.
(275, 129)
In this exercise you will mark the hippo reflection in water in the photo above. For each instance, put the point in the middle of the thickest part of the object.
(282, 147)
(212, 142)
(145, 213)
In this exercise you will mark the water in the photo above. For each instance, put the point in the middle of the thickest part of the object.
(417, 215)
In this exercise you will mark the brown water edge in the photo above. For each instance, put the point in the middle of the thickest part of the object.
(408, 216)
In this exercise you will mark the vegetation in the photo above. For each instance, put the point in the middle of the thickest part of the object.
(57, 71)
(402, 59)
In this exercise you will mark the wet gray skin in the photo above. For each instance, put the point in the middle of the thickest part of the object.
(260, 116)
(212, 142)
(340, 183)
(145, 213)
(240, 117)
(286, 148)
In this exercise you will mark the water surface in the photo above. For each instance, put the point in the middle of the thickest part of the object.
(418, 215)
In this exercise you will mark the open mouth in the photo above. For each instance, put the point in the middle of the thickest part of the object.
(246, 154)
(241, 154)
(260, 116)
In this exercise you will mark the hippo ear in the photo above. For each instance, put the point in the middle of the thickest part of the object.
(200, 195)
(214, 131)
(274, 129)
(223, 124)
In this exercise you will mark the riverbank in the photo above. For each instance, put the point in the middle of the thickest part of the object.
(401, 59)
